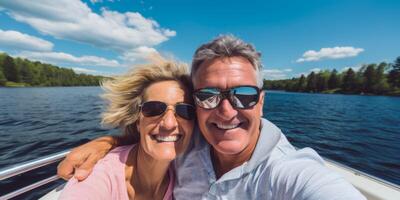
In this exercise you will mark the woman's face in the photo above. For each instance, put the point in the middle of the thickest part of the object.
(167, 135)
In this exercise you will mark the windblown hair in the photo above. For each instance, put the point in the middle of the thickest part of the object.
(226, 46)
(124, 94)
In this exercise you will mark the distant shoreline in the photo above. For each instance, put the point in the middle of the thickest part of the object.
(20, 72)
(360, 94)
(45, 86)
(276, 90)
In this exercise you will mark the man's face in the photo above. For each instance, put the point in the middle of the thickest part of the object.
(230, 131)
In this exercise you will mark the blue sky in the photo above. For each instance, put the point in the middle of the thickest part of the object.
(107, 37)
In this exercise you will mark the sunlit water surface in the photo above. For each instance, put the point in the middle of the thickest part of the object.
(360, 131)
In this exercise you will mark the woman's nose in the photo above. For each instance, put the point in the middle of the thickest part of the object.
(169, 121)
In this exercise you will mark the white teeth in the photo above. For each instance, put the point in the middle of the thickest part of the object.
(171, 138)
(227, 126)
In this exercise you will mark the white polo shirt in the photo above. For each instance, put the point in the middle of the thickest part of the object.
(276, 170)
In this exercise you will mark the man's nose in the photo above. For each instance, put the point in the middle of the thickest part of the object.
(169, 121)
(225, 110)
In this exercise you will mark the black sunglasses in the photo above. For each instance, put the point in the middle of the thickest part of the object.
(155, 108)
(240, 97)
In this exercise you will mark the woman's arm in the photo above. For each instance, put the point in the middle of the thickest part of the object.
(80, 162)
(107, 180)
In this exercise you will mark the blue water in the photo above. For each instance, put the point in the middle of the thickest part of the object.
(360, 131)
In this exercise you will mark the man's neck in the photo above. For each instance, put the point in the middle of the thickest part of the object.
(223, 163)
(148, 175)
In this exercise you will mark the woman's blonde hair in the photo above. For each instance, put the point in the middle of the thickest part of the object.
(124, 94)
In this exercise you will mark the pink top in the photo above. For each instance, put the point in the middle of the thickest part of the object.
(107, 180)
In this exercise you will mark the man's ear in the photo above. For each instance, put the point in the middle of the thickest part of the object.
(262, 95)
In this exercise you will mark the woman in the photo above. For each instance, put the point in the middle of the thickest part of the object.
(152, 106)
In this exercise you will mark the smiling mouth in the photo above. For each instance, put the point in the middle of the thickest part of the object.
(227, 126)
(169, 138)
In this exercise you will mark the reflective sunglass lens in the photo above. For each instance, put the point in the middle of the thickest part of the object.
(245, 90)
(244, 97)
(153, 108)
(206, 94)
(206, 100)
(241, 97)
(185, 111)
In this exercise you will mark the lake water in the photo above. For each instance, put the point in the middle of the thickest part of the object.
(362, 132)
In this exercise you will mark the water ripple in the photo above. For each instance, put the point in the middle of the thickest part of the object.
(359, 131)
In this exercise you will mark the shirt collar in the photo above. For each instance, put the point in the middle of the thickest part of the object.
(268, 139)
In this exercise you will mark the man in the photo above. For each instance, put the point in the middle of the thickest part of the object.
(243, 155)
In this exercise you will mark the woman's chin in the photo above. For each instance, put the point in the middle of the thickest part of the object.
(166, 157)
(164, 154)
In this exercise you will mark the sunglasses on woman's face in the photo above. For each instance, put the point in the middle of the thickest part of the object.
(156, 108)
(240, 97)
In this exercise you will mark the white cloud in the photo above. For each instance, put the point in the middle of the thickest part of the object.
(74, 20)
(330, 53)
(276, 74)
(315, 70)
(60, 58)
(96, 1)
(138, 55)
(80, 70)
(84, 70)
(287, 70)
(20, 41)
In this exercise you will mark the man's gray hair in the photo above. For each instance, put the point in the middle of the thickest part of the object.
(228, 46)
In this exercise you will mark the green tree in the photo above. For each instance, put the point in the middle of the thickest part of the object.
(42, 74)
(334, 80)
(11, 71)
(381, 86)
(290, 84)
(300, 84)
(322, 80)
(311, 82)
(3, 79)
(26, 73)
(349, 81)
(2, 57)
(370, 78)
(394, 74)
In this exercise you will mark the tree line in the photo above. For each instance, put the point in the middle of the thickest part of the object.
(24, 72)
(377, 79)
